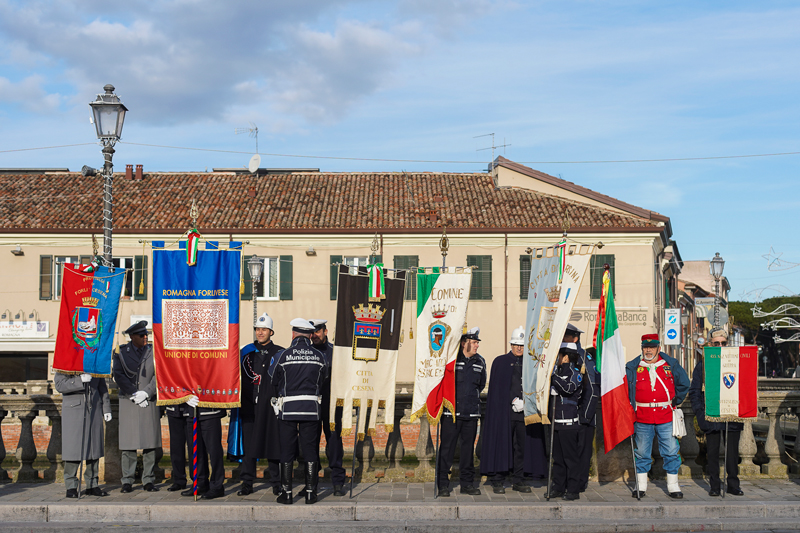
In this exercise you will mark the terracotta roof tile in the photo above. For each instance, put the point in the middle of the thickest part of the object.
(298, 201)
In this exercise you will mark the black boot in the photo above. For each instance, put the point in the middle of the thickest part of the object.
(286, 484)
(312, 477)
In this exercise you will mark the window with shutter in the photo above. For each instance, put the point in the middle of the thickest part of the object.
(481, 288)
(140, 277)
(596, 269)
(45, 277)
(410, 264)
(524, 276)
(286, 276)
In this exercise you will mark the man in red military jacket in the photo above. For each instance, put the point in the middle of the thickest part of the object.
(657, 385)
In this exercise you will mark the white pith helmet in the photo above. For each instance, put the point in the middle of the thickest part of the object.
(518, 336)
(264, 321)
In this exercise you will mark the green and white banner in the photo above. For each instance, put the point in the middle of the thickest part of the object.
(442, 298)
(731, 383)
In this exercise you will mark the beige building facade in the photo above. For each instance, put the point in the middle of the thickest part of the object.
(492, 221)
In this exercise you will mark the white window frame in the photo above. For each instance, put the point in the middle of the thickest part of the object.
(123, 262)
(275, 284)
(59, 272)
(354, 262)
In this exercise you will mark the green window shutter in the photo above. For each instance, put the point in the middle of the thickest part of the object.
(335, 259)
(248, 281)
(45, 277)
(286, 271)
(410, 264)
(596, 274)
(524, 276)
(481, 288)
(139, 276)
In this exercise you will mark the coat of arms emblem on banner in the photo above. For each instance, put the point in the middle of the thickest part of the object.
(729, 379)
(367, 327)
(87, 324)
(438, 330)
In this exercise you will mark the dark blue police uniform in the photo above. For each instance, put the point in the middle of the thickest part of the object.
(566, 391)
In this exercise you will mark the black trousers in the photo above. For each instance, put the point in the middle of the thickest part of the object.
(334, 449)
(586, 453)
(567, 460)
(302, 432)
(518, 446)
(209, 452)
(713, 440)
(180, 446)
(467, 430)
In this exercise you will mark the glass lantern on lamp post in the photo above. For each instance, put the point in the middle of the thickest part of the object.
(716, 266)
(254, 266)
(108, 114)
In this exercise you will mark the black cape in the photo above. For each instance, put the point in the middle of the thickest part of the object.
(265, 442)
(497, 454)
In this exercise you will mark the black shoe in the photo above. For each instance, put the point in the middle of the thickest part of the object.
(190, 492)
(555, 494)
(521, 487)
(338, 490)
(572, 496)
(149, 487)
(72, 493)
(212, 494)
(676, 495)
(176, 486)
(736, 492)
(443, 493)
(276, 490)
(96, 491)
(312, 478)
(498, 489)
(713, 492)
(469, 489)
(126, 487)
(247, 488)
(639, 494)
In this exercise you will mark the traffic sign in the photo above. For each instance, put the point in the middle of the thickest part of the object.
(672, 331)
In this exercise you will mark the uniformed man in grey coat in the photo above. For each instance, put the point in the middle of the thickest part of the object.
(74, 430)
(139, 424)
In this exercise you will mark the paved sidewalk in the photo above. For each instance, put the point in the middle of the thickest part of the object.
(772, 505)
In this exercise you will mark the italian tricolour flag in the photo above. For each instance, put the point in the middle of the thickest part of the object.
(731, 382)
(618, 413)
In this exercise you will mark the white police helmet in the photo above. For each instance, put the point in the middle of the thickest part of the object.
(264, 321)
(518, 336)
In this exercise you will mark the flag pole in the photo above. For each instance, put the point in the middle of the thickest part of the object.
(355, 445)
(194, 454)
(550, 461)
(725, 463)
(635, 477)
(83, 435)
(436, 465)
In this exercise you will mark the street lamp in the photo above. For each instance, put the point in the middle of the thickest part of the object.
(109, 115)
(715, 267)
(254, 265)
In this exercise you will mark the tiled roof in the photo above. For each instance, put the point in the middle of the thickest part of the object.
(305, 201)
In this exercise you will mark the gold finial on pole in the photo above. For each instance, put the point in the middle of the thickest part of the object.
(444, 245)
(375, 246)
(194, 213)
(565, 223)
(94, 246)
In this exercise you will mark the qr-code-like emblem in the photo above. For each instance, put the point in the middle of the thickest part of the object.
(195, 324)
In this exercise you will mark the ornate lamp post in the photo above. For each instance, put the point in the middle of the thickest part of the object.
(109, 116)
(254, 265)
(716, 265)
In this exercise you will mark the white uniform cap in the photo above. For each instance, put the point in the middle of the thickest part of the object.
(301, 325)
(574, 329)
(318, 323)
(264, 321)
(472, 334)
(569, 346)
(518, 336)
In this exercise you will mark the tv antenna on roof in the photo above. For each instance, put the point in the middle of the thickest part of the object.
(255, 161)
(493, 147)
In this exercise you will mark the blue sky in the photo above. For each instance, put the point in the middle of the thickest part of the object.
(560, 81)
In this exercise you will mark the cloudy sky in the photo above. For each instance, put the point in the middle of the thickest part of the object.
(362, 83)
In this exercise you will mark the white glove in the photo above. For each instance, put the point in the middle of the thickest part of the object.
(517, 405)
(144, 404)
(139, 396)
(193, 401)
(86, 378)
(277, 405)
(107, 417)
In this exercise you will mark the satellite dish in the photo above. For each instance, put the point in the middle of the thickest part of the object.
(255, 161)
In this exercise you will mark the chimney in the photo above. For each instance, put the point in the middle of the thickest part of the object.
(252, 192)
(432, 216)
(139, 172)
(128, 172)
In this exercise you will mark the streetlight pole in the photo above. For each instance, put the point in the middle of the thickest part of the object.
(716, 265)
(109, 116)
(254, 266)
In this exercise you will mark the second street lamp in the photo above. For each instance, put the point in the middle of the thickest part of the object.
(108, 113)
(254, 266)
(715, 267)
